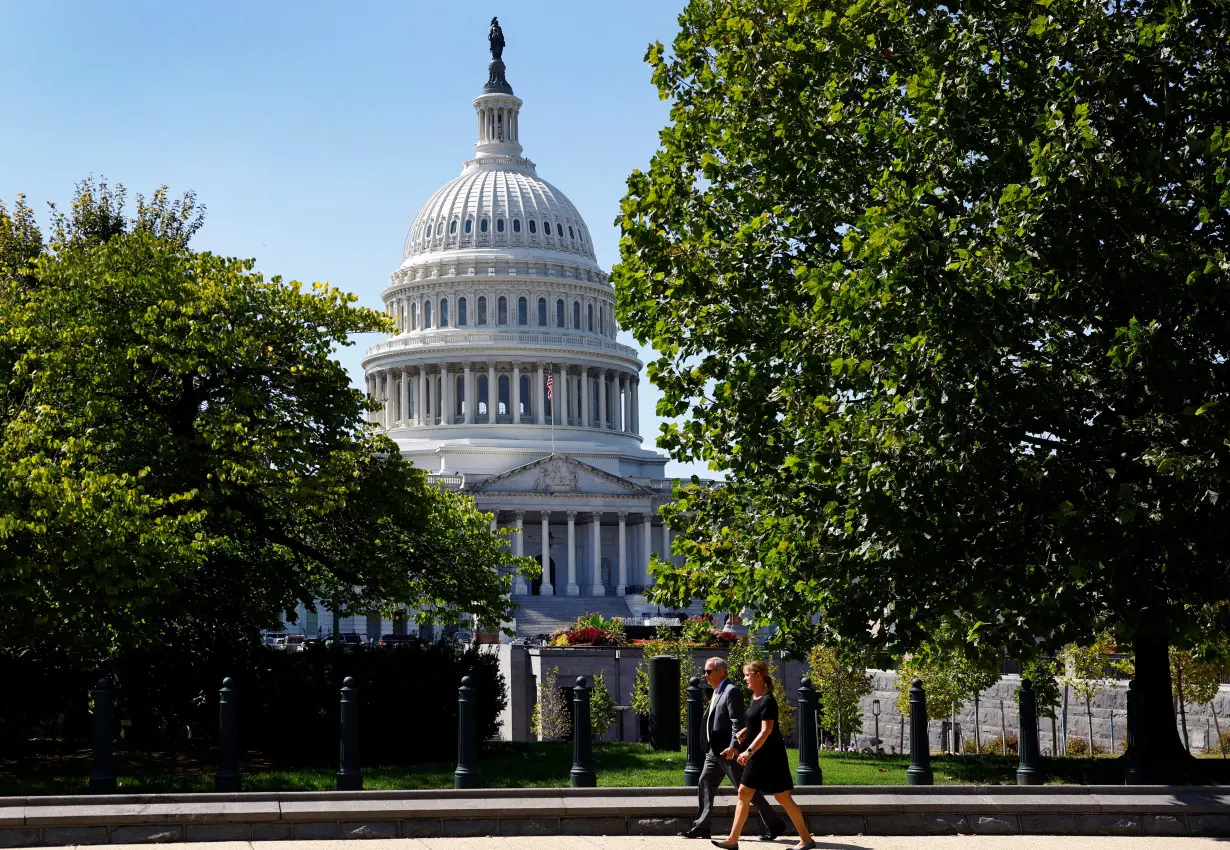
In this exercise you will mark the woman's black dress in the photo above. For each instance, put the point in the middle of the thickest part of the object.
(768, 770)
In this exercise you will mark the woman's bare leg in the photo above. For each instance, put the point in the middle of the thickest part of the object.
(795, 814)
(742, 806)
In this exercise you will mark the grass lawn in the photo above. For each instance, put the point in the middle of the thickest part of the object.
(536, 765)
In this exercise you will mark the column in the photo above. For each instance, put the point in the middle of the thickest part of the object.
(546, 589)
(470, 401)
(423, 417)
(636, 407)
(389, 414)
(540, 396)
(405, 397)
(371, 395)
(622, 588)
(602, 398)
(573, 589)
(624, 403)
(647, 535)
(518, 546)
(597, 588)
(584, 397)
(666, 544)
(446, 395)
(562, 386)
(493, 393)
(516, 394)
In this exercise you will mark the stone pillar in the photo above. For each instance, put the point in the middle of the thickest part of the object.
(647, 534)
(602, 398)
(389, 414)
(516, 394)
(422, 411)
(636, 407)
(547, 589)
(518, 546)
(622, 588)
(540, 397)
(597, 588)
(405, 397)
(493, 394)
(666, 544)
(562, 387)
(584, 397)
(470, 403)
(573, 589)
(371, 395)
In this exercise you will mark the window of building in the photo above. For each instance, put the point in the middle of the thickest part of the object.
(469, 225)
(502, 311)
(533, 226)
(444, 312)
(461, 313)
(525, 395)
(482, 226)
(571, 235)
(505, 406)
(429, 231)
(516, 225)
(499, 225)
(546, 228)
(559, 313)
(459, 395)
(452, 227)
(542, 312)
(482, 309)
(523, 309)
(589, 317)
(576, 315)
(483, 395)
(414, 315)
(426, 315)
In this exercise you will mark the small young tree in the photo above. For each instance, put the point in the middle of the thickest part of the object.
(549, 720)
(841, 684)
(1044, 675)
(1084, 671)
(950, 677)
(602, 713)
(748, 650)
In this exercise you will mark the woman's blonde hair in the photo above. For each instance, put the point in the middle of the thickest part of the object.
(760, 667)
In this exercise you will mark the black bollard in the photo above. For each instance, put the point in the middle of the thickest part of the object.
(582, 774)
(102, 773)
(664, 702)
(466, 774)
(1135, 773)
(1029, 771)
(809, 756)
(919, 771)
(696, 737)
(228, 777)
(348, 776)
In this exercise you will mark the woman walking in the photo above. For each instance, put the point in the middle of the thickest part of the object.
(765, 767)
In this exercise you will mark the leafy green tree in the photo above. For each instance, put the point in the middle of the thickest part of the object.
(550, 718)
(841, 684)
(942, 291)
(1085, 673)
(950, 678)
(181, 457)
(602, 711)
(1044, 675)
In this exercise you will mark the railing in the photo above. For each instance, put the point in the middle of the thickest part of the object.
(445, 479)
(461, 338)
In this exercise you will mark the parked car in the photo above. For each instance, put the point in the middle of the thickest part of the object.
(391, 640)
(294, 643)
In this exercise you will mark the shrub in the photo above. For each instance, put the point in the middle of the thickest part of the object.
(1079, 747)
(602, 713)
(590, 630)
(551, 718)
(993, 746)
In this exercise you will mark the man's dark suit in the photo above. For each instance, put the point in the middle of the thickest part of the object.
(723, 719)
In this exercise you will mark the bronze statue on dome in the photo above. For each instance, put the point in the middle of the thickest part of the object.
(496, 36)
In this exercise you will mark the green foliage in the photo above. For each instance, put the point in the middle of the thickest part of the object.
(1044, 675)
(841, 684)
(949, 677)
(602, 713)
(1085, 666)
(746, 650)
(181, 455)
(551, 717)
(664, 643)
(941, 290)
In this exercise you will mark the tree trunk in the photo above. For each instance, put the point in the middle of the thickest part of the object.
(1182, 709)
(1163, 755)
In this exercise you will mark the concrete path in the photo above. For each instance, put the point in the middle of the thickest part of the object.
(857, 842)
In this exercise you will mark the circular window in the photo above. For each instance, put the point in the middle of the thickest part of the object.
(469, 225)
(482, 225)
(499, 225)
(533, 227)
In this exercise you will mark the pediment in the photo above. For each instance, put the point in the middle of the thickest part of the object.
(559, 474)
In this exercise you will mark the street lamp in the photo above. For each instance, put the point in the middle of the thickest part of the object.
(875, 712)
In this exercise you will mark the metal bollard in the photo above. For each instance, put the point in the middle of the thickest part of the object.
(1029, 770)
(664, 702)
(348, 776)
(466, 774)
(919, 771)
(582, 774)
(1135, 773)
(102, 773)
(696, 739)
(228, 776)
(809, 756)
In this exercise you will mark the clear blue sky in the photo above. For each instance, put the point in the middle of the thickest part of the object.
(313, 131)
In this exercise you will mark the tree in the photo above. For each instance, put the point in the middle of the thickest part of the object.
(841, 685)
(1042, 672)
(1085, 672)
(182, 457)
(550, 719)
(942, 292)
(602, 707)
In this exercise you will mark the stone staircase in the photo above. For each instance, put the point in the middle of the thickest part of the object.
(541, 615)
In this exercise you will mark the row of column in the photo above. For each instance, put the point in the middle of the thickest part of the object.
(582, 396)
(594, 519)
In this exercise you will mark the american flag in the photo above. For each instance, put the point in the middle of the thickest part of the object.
(550, 381)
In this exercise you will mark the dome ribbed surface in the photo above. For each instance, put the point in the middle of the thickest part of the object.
(506, 194)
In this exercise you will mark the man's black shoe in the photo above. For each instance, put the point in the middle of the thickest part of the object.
(771, 835)
(695, 832)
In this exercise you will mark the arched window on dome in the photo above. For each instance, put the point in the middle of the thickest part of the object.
(452, 227)
(414, 315)
(576, 315)
(523, 309)
(499, 225)
(429, 231)
(444, 312)
(542, 312)
(589, 317)
(482, 226)
(533, 226)
(462, 319)
(516, 225)
(426, 314)
(482, 309)
(559, 313)
(571, 234)
(469, 225)
(602, 320)
(482, 395)
(525, 396)
(546, 227)
(501, 316)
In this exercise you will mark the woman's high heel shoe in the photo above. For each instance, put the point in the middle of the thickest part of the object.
(724, 845)
(808, 845)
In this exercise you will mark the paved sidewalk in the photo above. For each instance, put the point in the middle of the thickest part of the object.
(857, 842)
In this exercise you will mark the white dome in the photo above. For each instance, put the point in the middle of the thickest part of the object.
(498, 202)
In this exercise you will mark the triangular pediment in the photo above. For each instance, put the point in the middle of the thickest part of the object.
(559, 474)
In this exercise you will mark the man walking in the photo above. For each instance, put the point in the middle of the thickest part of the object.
(723, 721)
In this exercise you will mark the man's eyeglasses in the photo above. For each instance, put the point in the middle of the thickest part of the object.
(709, 670)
